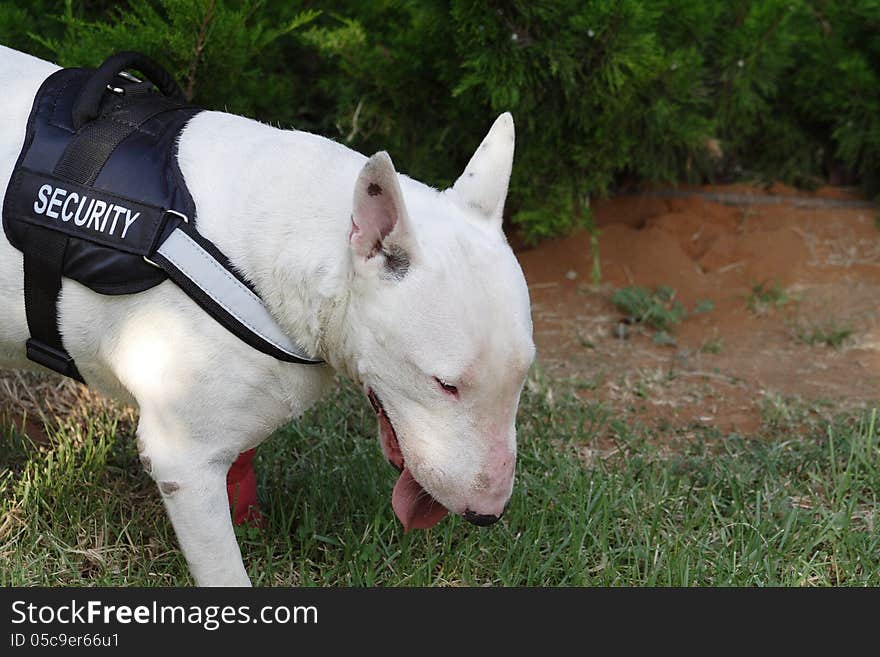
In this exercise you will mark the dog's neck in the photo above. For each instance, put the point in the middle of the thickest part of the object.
(278, 204)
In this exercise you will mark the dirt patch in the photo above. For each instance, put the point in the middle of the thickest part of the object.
(816, 255)
(39, 404)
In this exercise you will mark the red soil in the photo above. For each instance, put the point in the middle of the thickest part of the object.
(826, 258)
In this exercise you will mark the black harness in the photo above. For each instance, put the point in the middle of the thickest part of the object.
(97, 196)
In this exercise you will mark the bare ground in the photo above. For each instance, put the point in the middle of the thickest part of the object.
(731, 368)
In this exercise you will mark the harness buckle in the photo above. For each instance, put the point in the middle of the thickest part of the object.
(185, 220)
(125, 75)
(179, 214)
(58, 361)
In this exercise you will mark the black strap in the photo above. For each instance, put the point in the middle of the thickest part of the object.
(43, 263)
(95, 142)
(89, 101)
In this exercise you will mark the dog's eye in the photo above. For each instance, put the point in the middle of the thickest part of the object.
(447, 388)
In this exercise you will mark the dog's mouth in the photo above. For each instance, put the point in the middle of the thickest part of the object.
(413, 505)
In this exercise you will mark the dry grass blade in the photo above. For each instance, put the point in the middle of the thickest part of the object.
(41, 403)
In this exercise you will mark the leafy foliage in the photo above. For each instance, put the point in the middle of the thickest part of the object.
(604, 92)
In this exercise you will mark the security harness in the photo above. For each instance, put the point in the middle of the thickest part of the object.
(97, 196)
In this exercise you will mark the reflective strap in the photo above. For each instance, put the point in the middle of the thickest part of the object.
(229, 293)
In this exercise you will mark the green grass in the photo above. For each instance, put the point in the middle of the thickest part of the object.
(713, 345)
(597, 502)
(658, 309)
(765, 297)
(830, 333)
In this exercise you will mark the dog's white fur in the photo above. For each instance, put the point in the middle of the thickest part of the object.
(292, 212)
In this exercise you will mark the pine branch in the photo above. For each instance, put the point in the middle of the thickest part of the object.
(201, 39)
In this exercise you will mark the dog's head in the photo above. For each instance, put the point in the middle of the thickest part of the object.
(444, 333)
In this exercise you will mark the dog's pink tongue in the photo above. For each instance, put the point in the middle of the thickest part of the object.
(413, 505)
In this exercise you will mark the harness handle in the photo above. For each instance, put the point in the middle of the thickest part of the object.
(88, 103)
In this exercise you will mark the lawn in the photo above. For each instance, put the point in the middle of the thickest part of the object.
(597, 502)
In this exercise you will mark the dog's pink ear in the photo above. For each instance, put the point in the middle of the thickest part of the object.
(379, 219)
(483, 185)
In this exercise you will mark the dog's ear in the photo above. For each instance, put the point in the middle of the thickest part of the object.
(380, 224)
(483, 185)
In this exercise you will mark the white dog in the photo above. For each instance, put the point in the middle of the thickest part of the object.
(412, 292)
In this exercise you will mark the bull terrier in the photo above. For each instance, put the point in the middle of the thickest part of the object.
(410, 291)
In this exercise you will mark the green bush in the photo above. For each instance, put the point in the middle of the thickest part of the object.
(603, 92)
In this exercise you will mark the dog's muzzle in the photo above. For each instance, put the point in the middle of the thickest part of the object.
(481, 520)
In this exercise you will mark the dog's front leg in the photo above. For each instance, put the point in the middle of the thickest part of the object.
(193, 486)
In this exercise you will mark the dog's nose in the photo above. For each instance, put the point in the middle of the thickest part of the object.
(481, 520)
